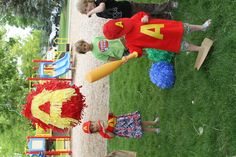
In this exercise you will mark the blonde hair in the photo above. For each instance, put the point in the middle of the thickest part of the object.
(82, 4)
(78, 45)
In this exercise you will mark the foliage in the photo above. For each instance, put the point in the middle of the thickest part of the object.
(13, 141)
(13, 85)
(22, 13)
(13, 88)
(29, 50)
(197, 116)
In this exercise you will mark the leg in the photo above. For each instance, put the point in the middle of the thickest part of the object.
(148, 123)
(195, 27)
(160, 8)
(165, 15)
(149, 129)
(185, 46)
(157, 130)
(193, 48)
(191, 28)
(72, 68)
(152, 8)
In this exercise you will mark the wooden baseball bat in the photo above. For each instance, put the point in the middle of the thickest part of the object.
(106, 69)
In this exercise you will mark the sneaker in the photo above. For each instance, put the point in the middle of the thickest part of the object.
(157, 130)
(174, 5)
(206, 25)
(157, 119)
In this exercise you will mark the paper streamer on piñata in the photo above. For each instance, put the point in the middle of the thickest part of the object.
(55, 105)
(162, 74)
(160, 55)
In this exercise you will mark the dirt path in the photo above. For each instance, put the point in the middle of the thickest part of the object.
(97, 94)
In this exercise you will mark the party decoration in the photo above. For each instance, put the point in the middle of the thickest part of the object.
(162, 74)
(55, 105)
(160, 55)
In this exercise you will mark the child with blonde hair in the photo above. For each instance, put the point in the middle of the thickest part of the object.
(102, 49)
(112, 9)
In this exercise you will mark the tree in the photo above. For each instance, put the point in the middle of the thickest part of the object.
(14, 88)
(29, 50)
(23, 13)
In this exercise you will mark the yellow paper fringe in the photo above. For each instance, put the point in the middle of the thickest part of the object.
(56, 98)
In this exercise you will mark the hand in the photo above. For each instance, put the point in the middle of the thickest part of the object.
(124, 59)
(89, 14)
(102, 125)
(144, 19)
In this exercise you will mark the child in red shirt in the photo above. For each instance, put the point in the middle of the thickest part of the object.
(141, 32)
(128, 125)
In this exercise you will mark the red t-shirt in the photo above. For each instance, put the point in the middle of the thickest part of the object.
(156, 33)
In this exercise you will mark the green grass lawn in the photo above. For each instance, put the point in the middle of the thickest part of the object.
(200, 99)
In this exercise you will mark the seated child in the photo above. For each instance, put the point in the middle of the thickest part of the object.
(113, 9)
(102, 49)
(128, 125)
(141, 32)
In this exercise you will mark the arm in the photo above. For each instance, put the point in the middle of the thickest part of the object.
(135, 49)
(104, 133)
(122, 39)
(111, 135)
(112, 59)
(130, 56)
(98, 9)
(139, 16)
(145, 19)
